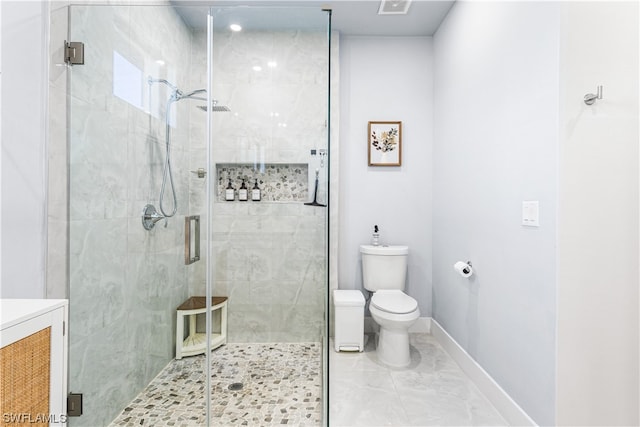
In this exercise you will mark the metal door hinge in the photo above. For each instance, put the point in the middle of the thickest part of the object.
(74, 404)
(74, 53)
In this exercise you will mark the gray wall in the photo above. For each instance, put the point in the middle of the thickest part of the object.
(598, 325)
(496, 145)
(387, 78)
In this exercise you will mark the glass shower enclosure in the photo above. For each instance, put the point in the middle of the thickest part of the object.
(171, 110)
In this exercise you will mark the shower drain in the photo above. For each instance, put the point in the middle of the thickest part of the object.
(235, 386)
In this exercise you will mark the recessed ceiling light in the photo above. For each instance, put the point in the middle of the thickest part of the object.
(160, 62)
(272, 64)
(394, 7)
(235, 27)
(257, 68)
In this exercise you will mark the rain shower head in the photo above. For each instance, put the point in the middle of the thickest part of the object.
(214, 102)
(215, 107)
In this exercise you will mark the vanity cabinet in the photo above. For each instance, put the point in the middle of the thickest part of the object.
(33, 362)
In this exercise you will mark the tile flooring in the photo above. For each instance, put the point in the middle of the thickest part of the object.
(432, 391)
(283, 386)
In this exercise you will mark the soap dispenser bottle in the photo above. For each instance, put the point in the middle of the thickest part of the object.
(376, 236)
(230, 192)
(255, 192)
(243, 192)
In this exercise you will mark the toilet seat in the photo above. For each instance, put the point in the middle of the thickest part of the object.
(394, 301)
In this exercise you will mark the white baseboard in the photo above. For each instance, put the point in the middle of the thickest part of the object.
(422, 326)
(503, 403)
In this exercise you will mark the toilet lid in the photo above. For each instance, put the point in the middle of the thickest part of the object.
(394, 302)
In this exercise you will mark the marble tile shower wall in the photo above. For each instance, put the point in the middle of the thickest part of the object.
(125, 282)
(269, 257)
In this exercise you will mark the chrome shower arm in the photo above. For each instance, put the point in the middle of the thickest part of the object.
(178, 92)
(190, 95)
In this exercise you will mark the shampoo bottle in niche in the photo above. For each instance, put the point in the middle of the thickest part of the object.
(255, 192)
(376, 236)
(230, 192)
(243, 192)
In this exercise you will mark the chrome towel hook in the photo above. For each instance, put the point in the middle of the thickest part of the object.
(590, 98)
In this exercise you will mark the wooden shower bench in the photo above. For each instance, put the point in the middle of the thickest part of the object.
(196, 342)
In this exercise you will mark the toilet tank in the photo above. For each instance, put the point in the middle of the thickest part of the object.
(384, 267)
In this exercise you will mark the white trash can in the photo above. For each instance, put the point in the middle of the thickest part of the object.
(349, 320)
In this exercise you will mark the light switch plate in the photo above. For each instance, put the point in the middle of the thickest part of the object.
(530, 213)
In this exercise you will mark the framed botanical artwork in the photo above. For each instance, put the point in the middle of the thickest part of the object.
(385, 144)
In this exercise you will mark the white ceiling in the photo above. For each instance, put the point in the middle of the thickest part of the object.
(352, 17)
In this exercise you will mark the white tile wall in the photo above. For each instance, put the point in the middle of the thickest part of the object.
(269, 259)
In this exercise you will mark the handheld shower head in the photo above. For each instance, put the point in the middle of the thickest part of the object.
(179, 95)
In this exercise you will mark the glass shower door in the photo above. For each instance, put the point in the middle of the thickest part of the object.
(271, 255)
(142, 134)
(135, 136)
(270, 66)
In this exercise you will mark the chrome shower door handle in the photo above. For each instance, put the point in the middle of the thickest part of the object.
(188, 233)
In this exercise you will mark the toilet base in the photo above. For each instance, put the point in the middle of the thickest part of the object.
(393, 340)
(393, 348)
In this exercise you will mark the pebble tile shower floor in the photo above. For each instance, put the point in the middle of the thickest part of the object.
(282, 385)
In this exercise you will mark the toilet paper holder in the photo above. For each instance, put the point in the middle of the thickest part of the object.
(465, 269)
(470, 267)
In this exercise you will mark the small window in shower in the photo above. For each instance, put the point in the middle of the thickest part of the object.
(127, 81)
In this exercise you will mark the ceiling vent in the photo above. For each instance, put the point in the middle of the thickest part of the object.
(394, 7)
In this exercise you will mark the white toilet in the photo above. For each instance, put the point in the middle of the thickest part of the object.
(384, 270)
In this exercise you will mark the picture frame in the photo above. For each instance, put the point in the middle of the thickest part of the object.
(384, 142)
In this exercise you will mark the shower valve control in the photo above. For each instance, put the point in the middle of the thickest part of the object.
(201, 172)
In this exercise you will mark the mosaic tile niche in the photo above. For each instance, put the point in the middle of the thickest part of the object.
(277, 182)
